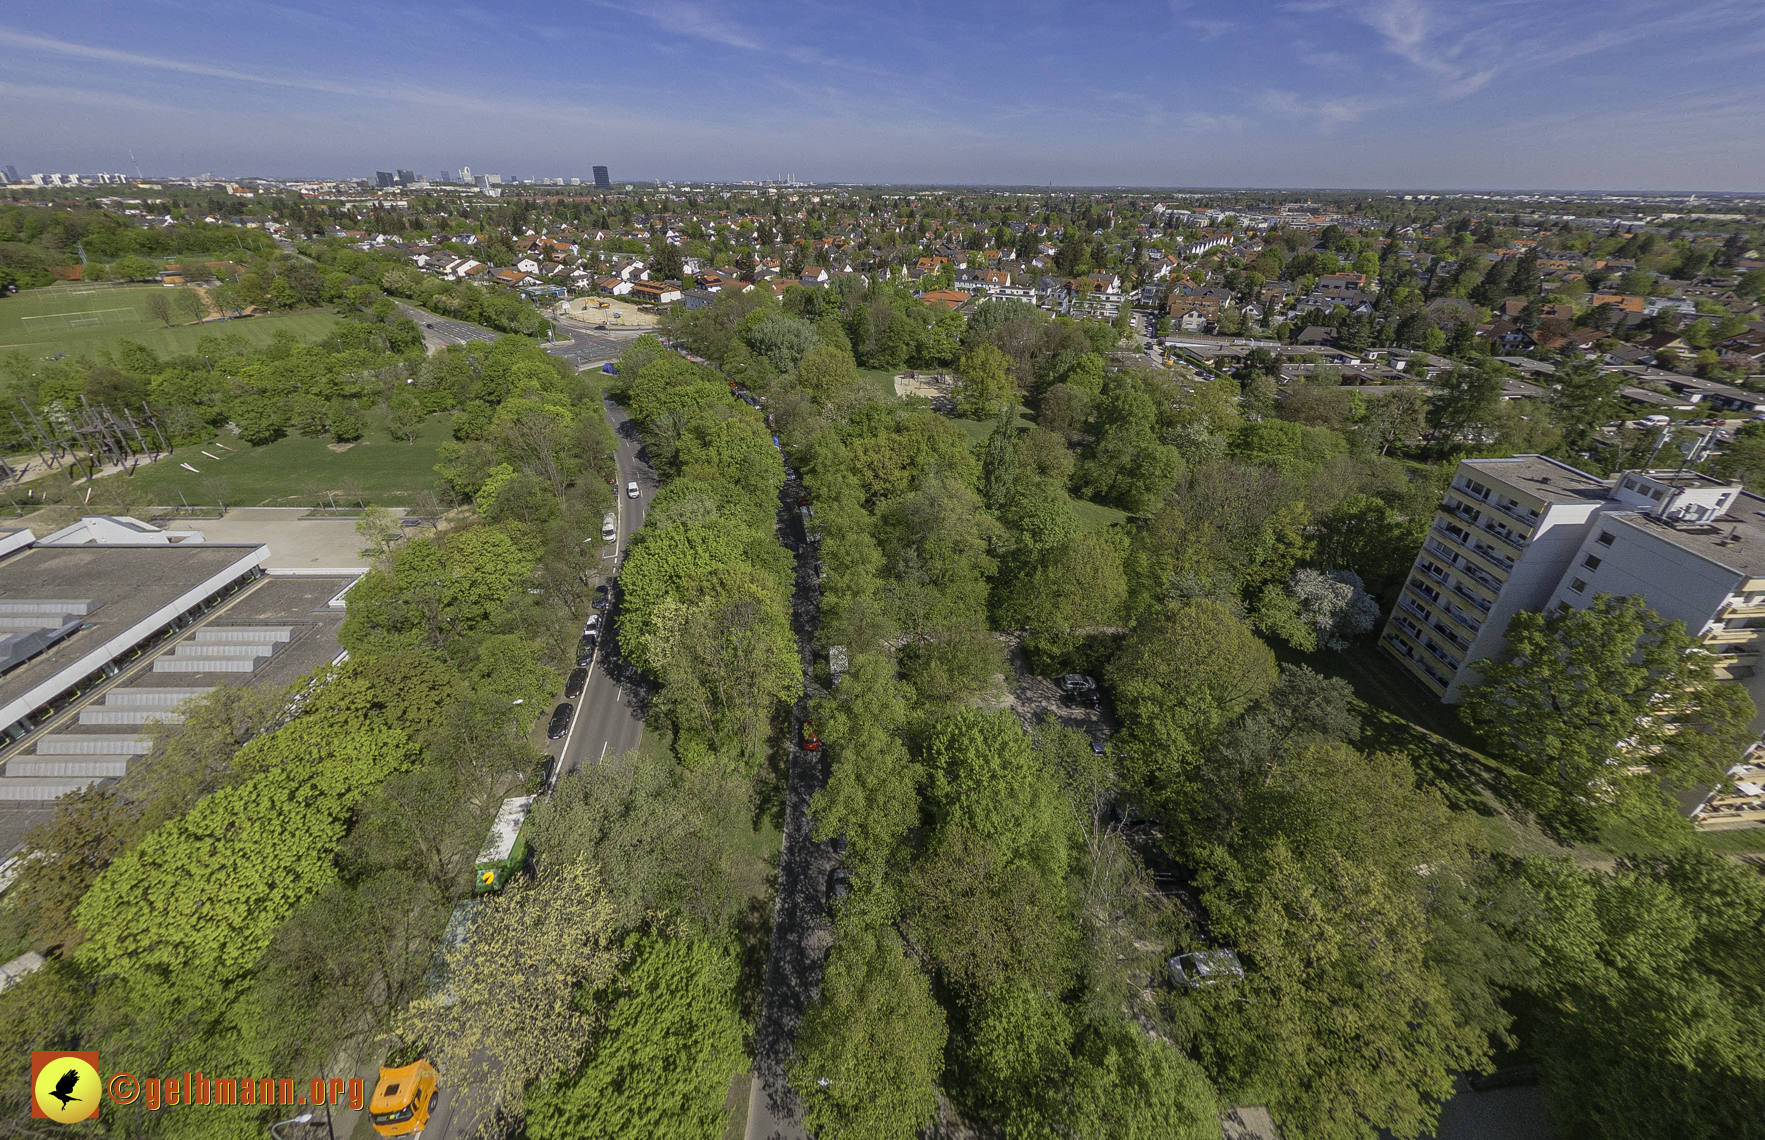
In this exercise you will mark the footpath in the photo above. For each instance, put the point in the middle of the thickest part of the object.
(801, 935)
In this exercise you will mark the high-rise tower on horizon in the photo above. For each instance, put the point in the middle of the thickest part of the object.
(601, 181)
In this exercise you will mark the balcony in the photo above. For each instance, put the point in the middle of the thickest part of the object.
(1446, 658)
(1732, 636)
(1457, 557)
(1471, 516)
(1740, 609)
(1493, 555)
(1451, 635)
(1461, 618)
(1518, 516)
(1470, 597)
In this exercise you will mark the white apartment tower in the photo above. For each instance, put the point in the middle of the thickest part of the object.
(1530, 533)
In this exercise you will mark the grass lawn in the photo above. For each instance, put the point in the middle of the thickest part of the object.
(274, 474)
(1096, 516)
(76, 319)
(1734, 842)
(1399, 718)
(882, 379)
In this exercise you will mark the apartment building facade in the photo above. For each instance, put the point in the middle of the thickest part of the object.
(1503, 536)
(1531, 533)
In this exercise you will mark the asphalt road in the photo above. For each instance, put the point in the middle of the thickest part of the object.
(609, 714)
(439, 331)
(800, 931)
(588, 348)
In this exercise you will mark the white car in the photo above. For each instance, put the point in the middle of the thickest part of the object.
(631, 490)
(593, 625)
(609, 527)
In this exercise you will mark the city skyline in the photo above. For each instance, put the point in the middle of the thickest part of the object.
(1395, 94)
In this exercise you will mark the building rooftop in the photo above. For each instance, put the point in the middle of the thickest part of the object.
(1544, 478)
(1735, 539)
(125, 585)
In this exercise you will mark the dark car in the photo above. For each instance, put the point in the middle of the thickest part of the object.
(1099, 747)
(560, 724)
(578, 678)
(839, 884)
(600, 597)
(584, 658)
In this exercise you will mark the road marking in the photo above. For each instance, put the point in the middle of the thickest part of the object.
(603, 755)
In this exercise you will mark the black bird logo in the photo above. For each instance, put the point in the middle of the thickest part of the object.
(65, 1087)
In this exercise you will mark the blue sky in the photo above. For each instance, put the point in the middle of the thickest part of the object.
(1305, 93)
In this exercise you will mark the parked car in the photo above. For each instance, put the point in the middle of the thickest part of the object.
(631, 490)
(811, 738)
(1077, 683)
(839, 884)
(560, 725)
(585, 657)
(600, 597)
(1099, 747)
(578, 678)
(592, 625)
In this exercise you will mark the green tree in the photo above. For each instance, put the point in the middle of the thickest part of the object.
(869, 1051)
(1604, 710)
(507, 1013)
(1464, 403)
(1585, 403)
(826, 370)
(662, 1063)
(983, 776)
(984, 384)
(380, 528)
(133, 268)
(1184, 673)
(1648, 1025)
(1339, 1021)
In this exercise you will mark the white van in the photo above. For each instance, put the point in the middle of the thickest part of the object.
(1655, 421)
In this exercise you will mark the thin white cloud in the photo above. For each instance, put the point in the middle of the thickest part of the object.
(84, 97)
(405, 93)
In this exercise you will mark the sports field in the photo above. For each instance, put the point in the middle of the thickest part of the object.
(279, 474)
(72, 318)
